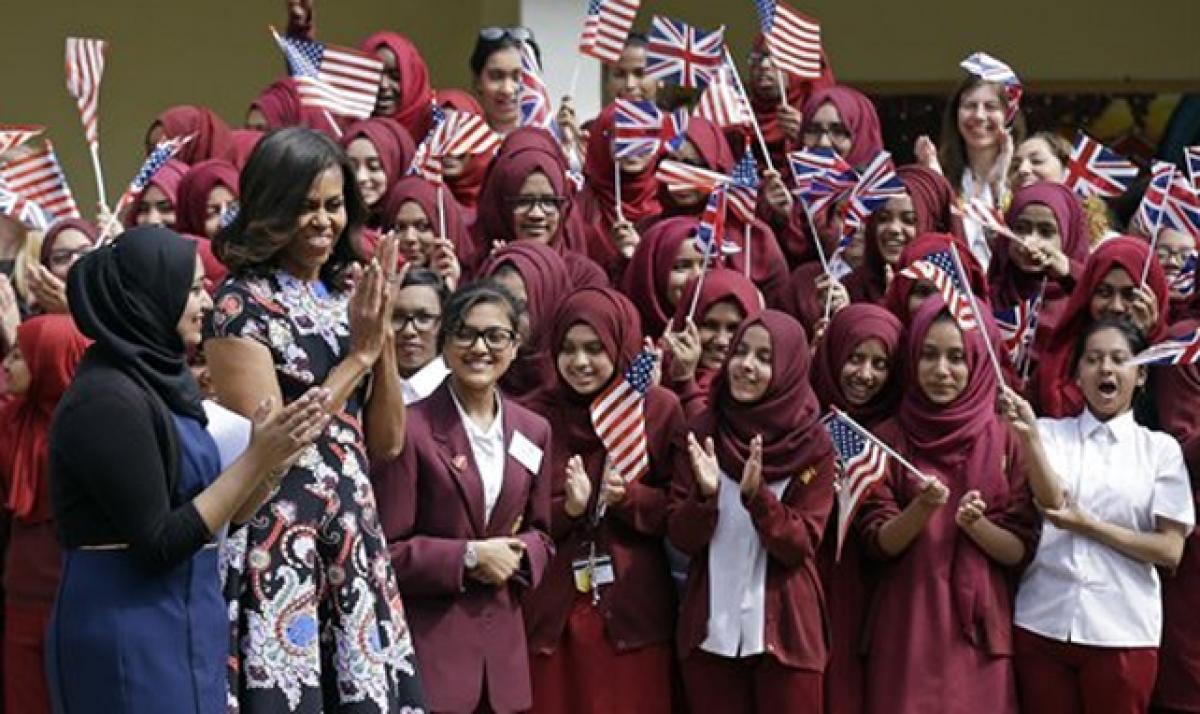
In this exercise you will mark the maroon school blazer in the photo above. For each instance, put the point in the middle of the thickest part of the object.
(466, 634)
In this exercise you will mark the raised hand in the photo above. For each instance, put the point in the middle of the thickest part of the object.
(685, 348)
(1017, 411)
(370, 307)
(752, 472)
(971, 510)
(926, 153)
(704, 465)
(578, 487)
(444, 261)
(625, 237)
(1144, 309)
(776, 192)
(791, 120)
(933, 494)
(48, 290)
(280, 435)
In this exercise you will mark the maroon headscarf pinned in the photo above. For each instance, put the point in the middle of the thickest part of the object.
(547, 284)
(392, 142)
(857, 113)
(649, 270)
(414, 97)
(715, 154)
(787, 417)
(720, 285)
(1009, 283)
(87, 228)
(466, 185)
(896, 299)
(425, 195)
(1056, 394)
(638, 193)
(518, 158)
(210, 134)
(850, 327)
(241, 145)
(194, 188)
(166, 179)
(52, 347)
(280, 106)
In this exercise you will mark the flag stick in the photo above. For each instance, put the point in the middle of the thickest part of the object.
(617, 189)
(441, 213)
(333, 124)
(886, 449)
(1026, 359)
(700, 281)
(100, 192)
(783, 97)
(987, 340)
(113, 220)
(748, 235)
(737, 78)
(816, 237)
(574, 77)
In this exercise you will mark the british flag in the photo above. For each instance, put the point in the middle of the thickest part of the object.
(1180, 350)
(536, 109)
(14, 135)
(1093, 168)
(682, 54)
(990, 69)
(13, 205)
(743, 187)
(711, 231)
(1181, 212)
(606, 28)
(1017, 326)
(637, 129)
(676, 125)
(678, 176)
(38, 177)
(336, 79)
(939, 270)
(1191, 157)
(723, 103)
(793, 38)
(820, 170)
(1151, 210)
(427, 161)
(862, 464)
(877, 184)
(619, 419)
(1184, 284)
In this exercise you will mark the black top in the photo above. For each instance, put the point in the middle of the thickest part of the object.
(114, 463)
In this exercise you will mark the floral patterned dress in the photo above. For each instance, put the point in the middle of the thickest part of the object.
(316, 620)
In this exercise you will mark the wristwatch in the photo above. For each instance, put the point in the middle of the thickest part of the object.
(470, 557)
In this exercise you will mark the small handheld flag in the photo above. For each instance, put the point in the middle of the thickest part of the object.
(862, 465)
(535, 106)
(723, 103)
(743, 188)
(1181, 211)
(19, 209)
(38, 177)
(1181, 350)
(678, 176)
(1150, 211)
(606, 28)
(1095, 169)
(793, 38)
(1184, 283)
(14, 135)
(337, 79)
(637, 129)
(619, 418)
(682, 54)
(939, 270)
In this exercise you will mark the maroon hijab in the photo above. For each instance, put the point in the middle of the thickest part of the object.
(857, 113)
(638, 192)
(392, 142)
(242, 143)
(466, 185)
(414, 98)
(1009, 283)
(167, 179)
(850, 327)
(715, 154)
(425, 195)
(649, 270)
(194, 188)
(1055, 393)
(85, 227)
(896, 298)
(787, 416)
(210, 134)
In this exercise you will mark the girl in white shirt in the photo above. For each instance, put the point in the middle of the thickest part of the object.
(1117, 503)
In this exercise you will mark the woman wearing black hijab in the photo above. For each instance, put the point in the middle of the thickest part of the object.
(139, 622)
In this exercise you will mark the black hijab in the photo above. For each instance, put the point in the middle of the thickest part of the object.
(128, 296)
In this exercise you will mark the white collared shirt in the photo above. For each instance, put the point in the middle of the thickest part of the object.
(737, 576)
(487, 446)
(1078, 589)
(976, 236)
(425, 381)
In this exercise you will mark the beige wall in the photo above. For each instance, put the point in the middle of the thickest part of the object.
(218, 52)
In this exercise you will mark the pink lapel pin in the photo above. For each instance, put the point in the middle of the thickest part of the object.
(460, 462)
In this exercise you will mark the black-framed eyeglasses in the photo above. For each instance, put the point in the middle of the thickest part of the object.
(65, 256)
(421, 321)
(495, 33)
(834, 131)
(525, 204)
(495, 338)
(1166, 255)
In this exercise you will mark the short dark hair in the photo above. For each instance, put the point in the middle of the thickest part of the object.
(486, 48)
(424, 277)
(637, 39)
(481, 292)
(1123, 325)
(274, 186)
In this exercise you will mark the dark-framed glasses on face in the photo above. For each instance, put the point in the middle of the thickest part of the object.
(495, 338)
(421, 321)
(525, 204)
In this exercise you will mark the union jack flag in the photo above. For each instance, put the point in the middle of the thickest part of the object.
(676, 126)
(793, 38)
(875, 186)
(161, 154)
(862, 464)
(1191, 157)
(85, 66)
(13, 205)
(1093, 168)
(1017, 326)
(536, 109)
(723, 103)
(990, 69)
(712, 221)
(1184, 284)
(637, 129)
(606, 28)
(619, 418)
(743, 187)
(678, 176)
(1182, 209)
(38, 177)
(337, 79)
(1153, 206)
(13, 135)
(821, 170)
(680, 53)
(939, 270)
(1181, 350)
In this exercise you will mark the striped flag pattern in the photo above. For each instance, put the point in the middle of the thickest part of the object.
(1191, 157)
(1181, 212)
(606, 28)
(712, 221)
(875, 186)
(39, 177)
(1182, 350)
(619, 418)
(1184, 284)
(723, 103)
(939, 270)
(743, 187)
(85, 67)
(340, 80)
(536, 109)
(862, 465)
(27, 212)
(821, 170)
(162, 153)
(14, 135)
(468, 134)
(678, 176)
(793, 38)
(983, 213)
(1151, 210)
(676, 125)
(1093, 168)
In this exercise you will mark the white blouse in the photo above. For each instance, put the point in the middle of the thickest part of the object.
(425, 381)
(737, 576)
(1078, 589)
(487, 446)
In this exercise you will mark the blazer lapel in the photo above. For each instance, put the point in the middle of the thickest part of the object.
(454, 448)
(510, 504)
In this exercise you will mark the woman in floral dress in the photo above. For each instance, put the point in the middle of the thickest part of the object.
(316, 618)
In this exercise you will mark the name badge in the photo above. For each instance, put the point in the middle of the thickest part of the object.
(593, 573)
(525, 452)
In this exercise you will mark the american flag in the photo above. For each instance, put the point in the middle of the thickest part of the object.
(1093, 168)
(27, 212)
(38, 177)
(676, 125)
(983, 213)
(712, 221)
(990, 69)
(637, 129)
(678, 176)
(85, 67)
(468, 134)
(1181, 350)
(863, 464)
(743, 187)
(1150, 211)
(427, 161)
(536, 109)
(939, 270)
(1185, 282)
(877, 184)
(820, 170)
(1182, 208)
(340, 80)
(1191, 156)
(722, 101)
(619, 418)
(683, 54)
(793, 38)
(161, 154)
(606, 28)
(13, 135)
